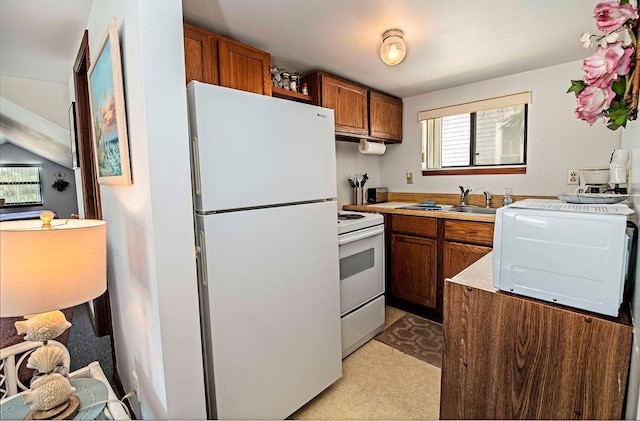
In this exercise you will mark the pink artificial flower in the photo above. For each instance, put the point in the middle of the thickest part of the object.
(605, 64)
(592, 101)
(611, 15)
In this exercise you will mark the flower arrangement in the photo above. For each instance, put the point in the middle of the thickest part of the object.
(610, 85)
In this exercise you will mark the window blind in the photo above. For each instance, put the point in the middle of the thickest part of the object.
(475, 106)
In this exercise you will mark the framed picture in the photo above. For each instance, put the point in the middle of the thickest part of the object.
(108, 117)
(73, 135)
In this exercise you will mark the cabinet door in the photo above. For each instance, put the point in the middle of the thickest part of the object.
(349, 102)
(200, 55)
(457, 256)
(243, 67)
(413, 264)
(510, 357)
(385, 118)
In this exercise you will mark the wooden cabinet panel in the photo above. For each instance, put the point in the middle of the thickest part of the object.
(349, 102)
(243, 67)
(200, 55)
(456, 257)
(509, 357)
(414, 269)
(469, 232)
(414, 225)
(385, 116)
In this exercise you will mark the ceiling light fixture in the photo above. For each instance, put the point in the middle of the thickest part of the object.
(393, 49)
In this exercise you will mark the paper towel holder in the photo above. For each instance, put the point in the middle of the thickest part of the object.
(372, 148)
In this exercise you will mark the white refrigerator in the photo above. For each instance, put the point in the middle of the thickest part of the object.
(264, 181)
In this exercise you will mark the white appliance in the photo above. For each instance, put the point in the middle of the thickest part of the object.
(264, 180)
(618, 169)
(575, 255)
(361, 240)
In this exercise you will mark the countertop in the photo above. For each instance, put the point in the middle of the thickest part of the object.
(391, 208)
(479, 275)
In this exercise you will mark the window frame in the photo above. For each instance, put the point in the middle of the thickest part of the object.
(472, 108)
(39, 183)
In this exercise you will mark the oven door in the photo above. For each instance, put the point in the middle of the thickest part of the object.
(361, 267)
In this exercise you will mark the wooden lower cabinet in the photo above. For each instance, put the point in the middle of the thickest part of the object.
(456, 257)
(511, 357)
(413, 267)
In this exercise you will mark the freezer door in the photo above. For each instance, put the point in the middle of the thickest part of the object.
(252, 150)
(274, 308)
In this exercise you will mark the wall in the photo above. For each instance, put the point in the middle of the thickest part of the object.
(47, 99)
(631, 141)
(349, 161)
(62, 203)
(151, 262)
(557, 140)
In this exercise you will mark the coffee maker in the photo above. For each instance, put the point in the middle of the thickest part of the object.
(618, 170)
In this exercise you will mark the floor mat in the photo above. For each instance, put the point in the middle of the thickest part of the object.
(415, 336)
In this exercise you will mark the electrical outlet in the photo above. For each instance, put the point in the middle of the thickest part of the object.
(136, 385)
(572, 177)
(409, 177)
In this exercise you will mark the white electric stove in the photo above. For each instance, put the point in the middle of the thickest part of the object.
(362, 277)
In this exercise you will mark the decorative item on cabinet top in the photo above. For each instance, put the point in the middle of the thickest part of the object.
(286, 85)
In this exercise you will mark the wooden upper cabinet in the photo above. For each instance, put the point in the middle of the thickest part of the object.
(359, 112)
(243, 67)
(385, 116)
(214, 59)
(349, 102)
(200, 55)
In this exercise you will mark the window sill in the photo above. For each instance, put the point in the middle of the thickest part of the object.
(519, 169)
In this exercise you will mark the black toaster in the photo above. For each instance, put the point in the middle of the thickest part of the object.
(376, 195)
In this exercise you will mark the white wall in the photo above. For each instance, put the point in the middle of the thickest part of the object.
(349, 161)
(557, 141)
(151, 262)
(47, 99)
(631, 141)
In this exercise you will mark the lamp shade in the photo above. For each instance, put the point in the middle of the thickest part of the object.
(44, 269)
(393, 49)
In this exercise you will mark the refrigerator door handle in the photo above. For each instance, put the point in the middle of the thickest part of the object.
(195, 156)
(203, 259)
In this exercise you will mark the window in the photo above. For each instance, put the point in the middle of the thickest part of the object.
(488, 136)
(20, 184)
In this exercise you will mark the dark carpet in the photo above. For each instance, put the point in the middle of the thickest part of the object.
(85, 347)
(415, 336)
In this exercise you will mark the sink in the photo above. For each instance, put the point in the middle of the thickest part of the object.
(473, 209)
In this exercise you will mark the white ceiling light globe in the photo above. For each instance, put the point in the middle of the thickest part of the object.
(393, 49)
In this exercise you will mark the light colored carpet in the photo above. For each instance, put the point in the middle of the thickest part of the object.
(379, 382)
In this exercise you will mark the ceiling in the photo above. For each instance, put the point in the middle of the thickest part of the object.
(448, 43)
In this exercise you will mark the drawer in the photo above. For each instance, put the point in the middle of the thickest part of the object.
(415, 225)
(362, 325)
(469, 232)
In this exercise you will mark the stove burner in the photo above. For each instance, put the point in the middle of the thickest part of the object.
(345, 216)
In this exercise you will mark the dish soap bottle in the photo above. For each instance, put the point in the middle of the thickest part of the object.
(507, 200)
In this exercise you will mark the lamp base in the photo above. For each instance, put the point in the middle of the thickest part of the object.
(64, 411)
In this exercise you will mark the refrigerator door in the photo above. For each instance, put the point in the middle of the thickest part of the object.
(270, 284)
(252, 150)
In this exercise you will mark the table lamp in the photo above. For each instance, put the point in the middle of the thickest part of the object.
(47, 265)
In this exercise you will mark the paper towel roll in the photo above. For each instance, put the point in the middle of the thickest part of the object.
(372, 148)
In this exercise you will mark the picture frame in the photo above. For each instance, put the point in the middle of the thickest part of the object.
(73, 135)
(108, 115)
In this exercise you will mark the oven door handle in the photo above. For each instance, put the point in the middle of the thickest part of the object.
(360, 235)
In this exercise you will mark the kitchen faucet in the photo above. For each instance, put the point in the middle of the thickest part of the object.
(487, 199)
(463, 195)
